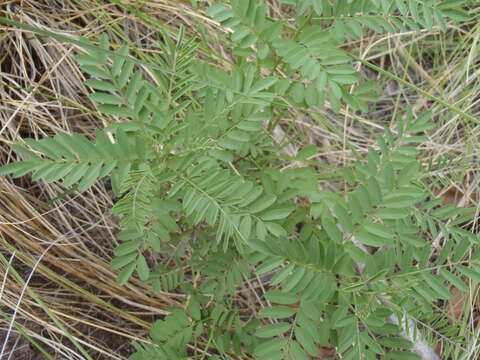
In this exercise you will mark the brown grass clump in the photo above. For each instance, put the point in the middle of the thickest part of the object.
(59, 250)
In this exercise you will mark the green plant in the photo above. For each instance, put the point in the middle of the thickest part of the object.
(195, 167)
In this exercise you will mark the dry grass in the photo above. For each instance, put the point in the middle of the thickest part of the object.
(57, 288)
(64, 245)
